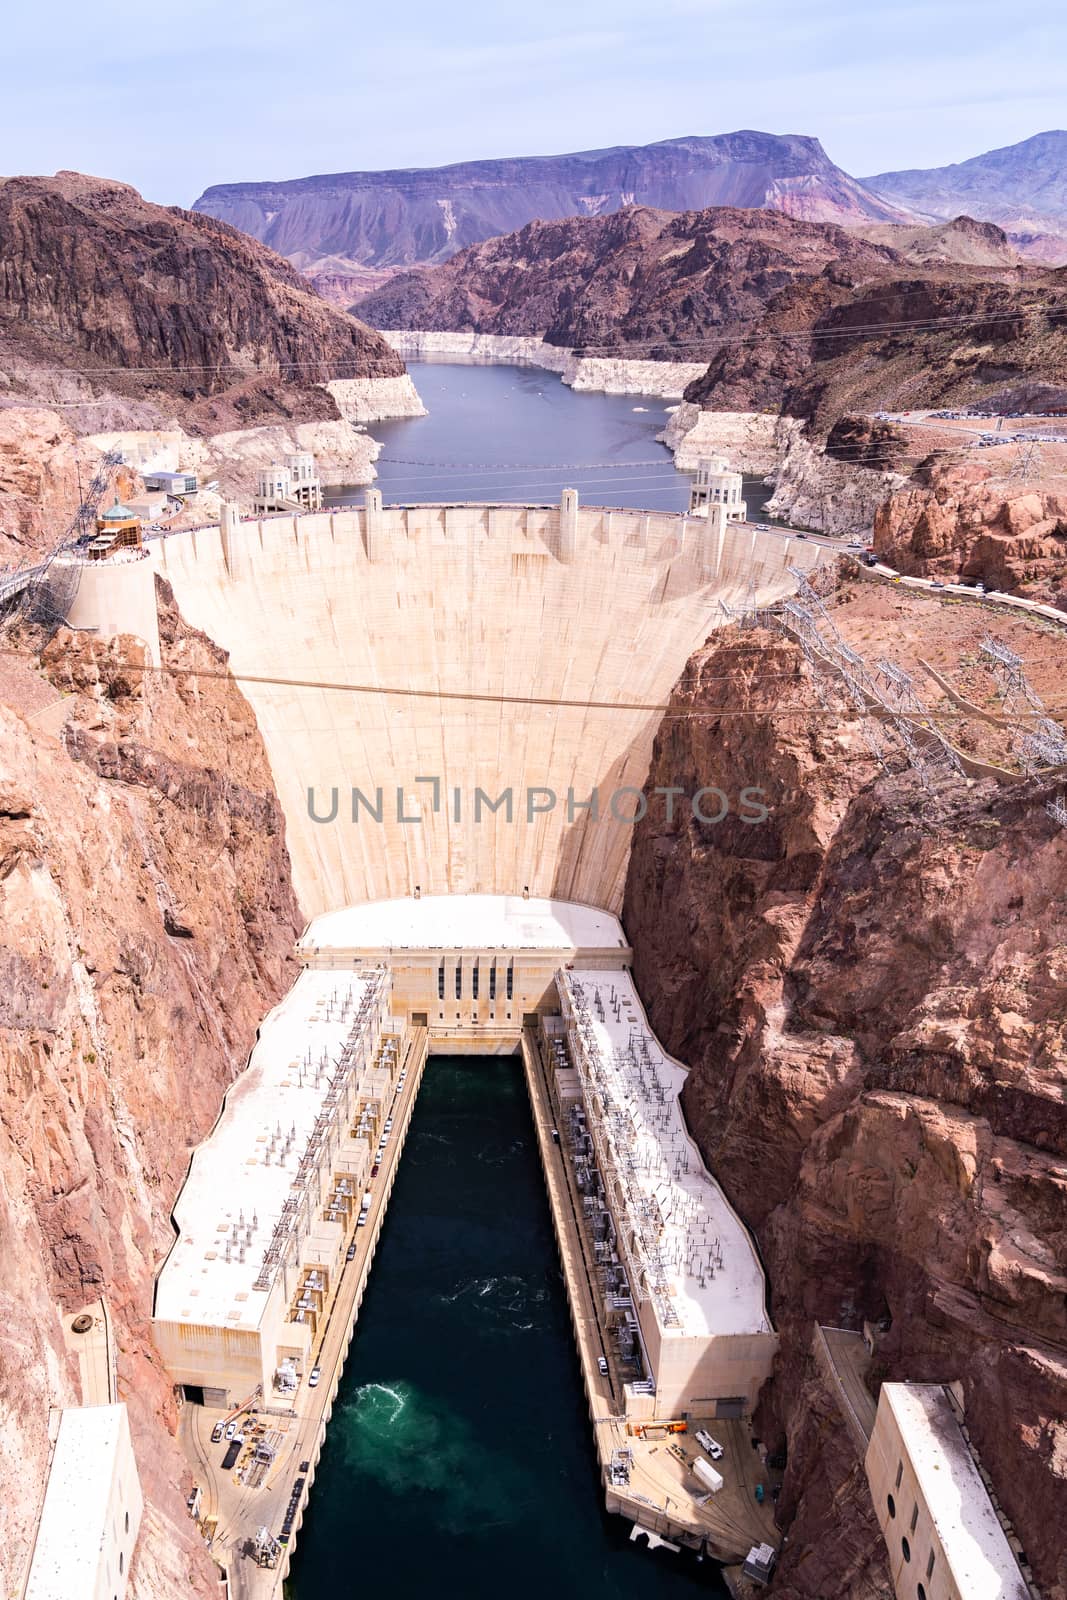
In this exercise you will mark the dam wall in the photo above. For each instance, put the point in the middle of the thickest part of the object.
(418, 656)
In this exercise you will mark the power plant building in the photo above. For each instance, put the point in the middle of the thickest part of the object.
(274, 1190)
(687, 1263)
(92, 1509)
(942, 1533)
(471, 968)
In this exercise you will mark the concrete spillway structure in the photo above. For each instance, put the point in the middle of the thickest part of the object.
(475, 613)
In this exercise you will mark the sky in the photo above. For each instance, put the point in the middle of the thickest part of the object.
(172, 98)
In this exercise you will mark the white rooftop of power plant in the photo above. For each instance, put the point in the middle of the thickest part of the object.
(66, 1555)
(689, 1237)
(971, 1536)
(465, 922)
(243, 1173)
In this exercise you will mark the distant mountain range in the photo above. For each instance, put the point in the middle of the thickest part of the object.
(1023, 187)
(390, 220)
(348, 230)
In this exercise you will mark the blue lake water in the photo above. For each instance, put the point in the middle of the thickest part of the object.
(519, 433)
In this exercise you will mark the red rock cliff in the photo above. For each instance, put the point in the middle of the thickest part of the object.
(146, 920)
(873, 1002)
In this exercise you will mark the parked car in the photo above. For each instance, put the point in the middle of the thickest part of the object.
(375, 1170)
(313, 1377)
(216, 1433)
(361, 1222)
(388, 1124)
(350, 1253)
(231, 1429)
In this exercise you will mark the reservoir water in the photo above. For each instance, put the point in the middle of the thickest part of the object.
(459, 1461)
(519, 433)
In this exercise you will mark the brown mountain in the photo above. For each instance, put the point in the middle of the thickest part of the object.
(804, 315)
(103, 293)
(640, 281)
(390, 219)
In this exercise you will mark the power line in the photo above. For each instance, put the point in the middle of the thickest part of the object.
(664, 709)
(618, 350)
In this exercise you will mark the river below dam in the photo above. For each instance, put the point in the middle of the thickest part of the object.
(459, 1459)
(519, 433)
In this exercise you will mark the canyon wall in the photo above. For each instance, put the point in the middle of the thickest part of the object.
(146, 923)
(871, 991)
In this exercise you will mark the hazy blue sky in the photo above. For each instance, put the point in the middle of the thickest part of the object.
(175, 97)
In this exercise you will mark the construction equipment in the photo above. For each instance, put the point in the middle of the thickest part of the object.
(642, 1430)
(265, 1549)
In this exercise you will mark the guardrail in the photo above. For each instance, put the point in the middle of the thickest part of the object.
(988, 597)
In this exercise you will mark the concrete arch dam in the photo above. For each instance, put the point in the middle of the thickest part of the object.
(557, 603)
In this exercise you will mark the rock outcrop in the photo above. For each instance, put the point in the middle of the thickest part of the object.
(146, 924)
(957, 519)
(871, 991)
(39, 469)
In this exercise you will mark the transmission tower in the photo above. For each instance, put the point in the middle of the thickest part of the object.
(1027, 463)
(903, 697)
(1040, 742)
(820, 658)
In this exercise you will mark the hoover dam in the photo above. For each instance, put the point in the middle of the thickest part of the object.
(420, 672)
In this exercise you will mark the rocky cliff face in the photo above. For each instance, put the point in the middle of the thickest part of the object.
(799, 317)
(639, 277)
(870, 989)
(39, 464)
(952, 519)
(388, 219)
(146, 922)
(102, 293)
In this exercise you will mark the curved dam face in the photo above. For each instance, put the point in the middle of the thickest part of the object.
(468, 613)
